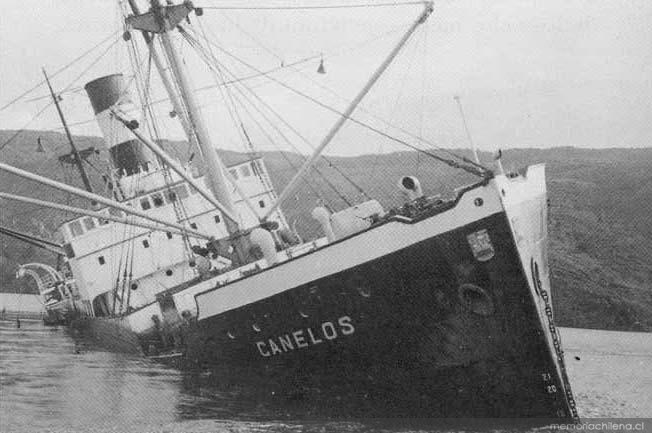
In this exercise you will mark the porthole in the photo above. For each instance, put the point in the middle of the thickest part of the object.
(365, 292)
(144, 204)
(157, 199)
(475, 299)
(169, 272)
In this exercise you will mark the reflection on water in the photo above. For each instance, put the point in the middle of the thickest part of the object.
(50, 383)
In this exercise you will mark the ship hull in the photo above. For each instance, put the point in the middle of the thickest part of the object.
(426, 331)
(440, 314)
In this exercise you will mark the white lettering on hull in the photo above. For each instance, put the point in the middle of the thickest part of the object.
(301, 338)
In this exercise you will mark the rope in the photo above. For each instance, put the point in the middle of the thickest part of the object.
(330, 163)
(292, 65)
(230, 104)
(21, 130)
(477, 170)
(362, 109)
(333, 6)
(63, 68)
(197, 47)
(298, 134)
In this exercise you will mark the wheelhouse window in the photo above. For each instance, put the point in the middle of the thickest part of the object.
(103, 221)
(261, 203)
(89, 224)
(157, 199)
(181, 191)
(116, 212)
(76, 228)
(101, 260)
(245, 171)
(145, 204)
(193, 226)
(217, 219)
(146, 243)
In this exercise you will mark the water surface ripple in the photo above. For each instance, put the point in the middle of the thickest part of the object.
(50, 383)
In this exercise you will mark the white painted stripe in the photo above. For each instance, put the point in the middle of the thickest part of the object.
(113, 130)
(335, 258)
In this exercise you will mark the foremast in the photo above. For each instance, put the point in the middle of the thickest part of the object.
(74, 153)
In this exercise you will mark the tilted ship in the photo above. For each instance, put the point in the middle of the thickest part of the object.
(438, 307)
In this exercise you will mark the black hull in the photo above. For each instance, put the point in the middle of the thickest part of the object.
(427, 331)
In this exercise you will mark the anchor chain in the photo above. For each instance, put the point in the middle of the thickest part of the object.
(556, 341)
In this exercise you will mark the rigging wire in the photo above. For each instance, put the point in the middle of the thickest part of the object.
(199, 48)
(230, 104)
(210, 56)
(395, 106)
(63, 68)
(179, 209)
(263, 73)
(361, 108)
(477, 169)
(22, 129)
(97, 59)
(306, 141)
(300, 7)
(424, 68)
(131, 275)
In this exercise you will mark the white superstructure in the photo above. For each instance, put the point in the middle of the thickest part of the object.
(100, 251)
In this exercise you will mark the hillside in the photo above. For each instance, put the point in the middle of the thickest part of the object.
(600, 207)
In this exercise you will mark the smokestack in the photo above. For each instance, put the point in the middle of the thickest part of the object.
(127, 153)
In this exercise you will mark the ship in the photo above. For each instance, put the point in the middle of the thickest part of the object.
(438, 307)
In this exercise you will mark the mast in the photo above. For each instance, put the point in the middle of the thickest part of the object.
(161, 19)
(75, 153)
(169, 88)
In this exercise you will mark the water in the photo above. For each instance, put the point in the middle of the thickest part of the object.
(50, 383)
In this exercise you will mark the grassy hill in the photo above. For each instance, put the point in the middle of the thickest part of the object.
(600, 207)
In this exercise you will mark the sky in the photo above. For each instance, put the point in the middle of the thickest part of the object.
(529, 73)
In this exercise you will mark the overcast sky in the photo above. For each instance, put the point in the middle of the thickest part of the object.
(529, 73)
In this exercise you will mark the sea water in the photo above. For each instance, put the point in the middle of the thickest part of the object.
(49, 383)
